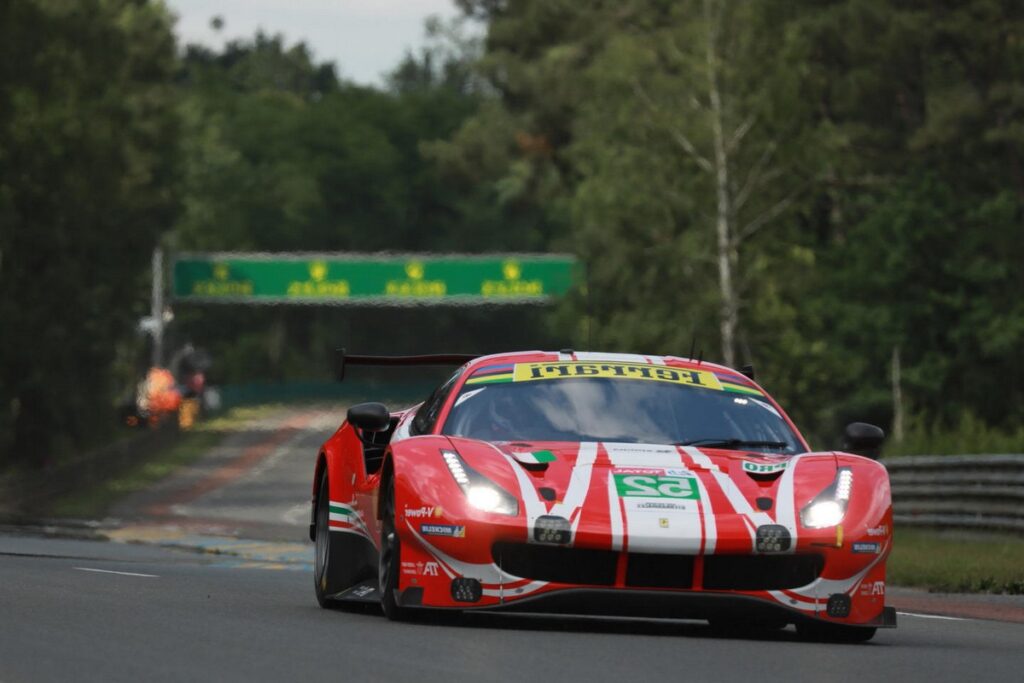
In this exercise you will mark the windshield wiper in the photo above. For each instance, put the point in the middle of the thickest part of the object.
(732, 443)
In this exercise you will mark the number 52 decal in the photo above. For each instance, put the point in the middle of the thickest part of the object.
(651, 486)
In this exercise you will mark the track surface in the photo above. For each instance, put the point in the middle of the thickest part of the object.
(87, 610)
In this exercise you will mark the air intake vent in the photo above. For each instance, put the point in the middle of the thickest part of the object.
(558, 564)
(659, 571)
(760, 572)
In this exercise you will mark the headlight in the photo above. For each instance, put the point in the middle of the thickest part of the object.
(829, 507)
(822, 514)
(481, 492)
(484, 498)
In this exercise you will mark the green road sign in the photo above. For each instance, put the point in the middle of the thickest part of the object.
(339, 279)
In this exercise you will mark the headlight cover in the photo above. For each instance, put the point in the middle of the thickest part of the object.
(481, 492)
(829, 507)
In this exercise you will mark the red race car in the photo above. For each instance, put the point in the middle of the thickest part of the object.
(593, 483)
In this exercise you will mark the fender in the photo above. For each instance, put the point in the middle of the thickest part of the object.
(411, 463)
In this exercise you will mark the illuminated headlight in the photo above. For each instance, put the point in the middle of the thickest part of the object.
(490, 499)
(829, 507)
(822, 514)
(455, 466)
(480, 491)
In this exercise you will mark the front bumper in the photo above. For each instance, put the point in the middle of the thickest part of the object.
(816, 584)
(654, 605)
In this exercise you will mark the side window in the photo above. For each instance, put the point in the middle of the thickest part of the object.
(426, 416)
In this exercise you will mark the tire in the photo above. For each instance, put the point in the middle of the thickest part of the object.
(328, 563)
(390, 558)
(835, 633)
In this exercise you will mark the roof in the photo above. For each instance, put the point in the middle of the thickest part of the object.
(594, 356)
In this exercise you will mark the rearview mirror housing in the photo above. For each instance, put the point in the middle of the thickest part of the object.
(369, 417)
(863, 439)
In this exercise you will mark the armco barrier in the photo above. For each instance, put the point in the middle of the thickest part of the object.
(33, 494)
(958, 491)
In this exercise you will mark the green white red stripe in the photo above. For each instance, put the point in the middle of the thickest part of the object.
(346, 519)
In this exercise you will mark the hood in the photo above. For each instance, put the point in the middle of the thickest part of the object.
(654, 498)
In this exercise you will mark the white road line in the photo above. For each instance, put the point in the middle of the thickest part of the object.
(107, 571)
(931, 616)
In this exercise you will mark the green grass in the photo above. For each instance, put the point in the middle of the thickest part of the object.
(970, 434)
(957, 562)
(95, 501)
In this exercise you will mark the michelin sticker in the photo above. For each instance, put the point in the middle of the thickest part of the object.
(868, 548)
(449, 530)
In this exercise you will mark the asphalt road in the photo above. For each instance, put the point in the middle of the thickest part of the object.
(90, 610)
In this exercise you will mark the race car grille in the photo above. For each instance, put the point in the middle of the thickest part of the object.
(557, 564)
(659, 571)
(586, 566)
(760, 572)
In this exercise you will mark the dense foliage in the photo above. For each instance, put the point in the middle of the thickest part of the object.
(832, 191)
(88, 149)
(853, 167)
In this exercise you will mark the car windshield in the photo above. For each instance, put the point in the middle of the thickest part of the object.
(621, 409)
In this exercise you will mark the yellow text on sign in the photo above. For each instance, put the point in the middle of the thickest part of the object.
(529, 372)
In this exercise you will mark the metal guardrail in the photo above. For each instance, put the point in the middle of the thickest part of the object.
(33, 493)
(958, 491)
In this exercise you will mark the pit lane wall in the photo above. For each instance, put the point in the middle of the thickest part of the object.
(983, 492)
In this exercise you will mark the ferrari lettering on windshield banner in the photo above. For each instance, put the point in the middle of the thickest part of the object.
(531, 372)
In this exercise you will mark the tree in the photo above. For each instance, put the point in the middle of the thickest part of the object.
(87, 173)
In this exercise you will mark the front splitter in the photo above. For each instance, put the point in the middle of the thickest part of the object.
(656, 605)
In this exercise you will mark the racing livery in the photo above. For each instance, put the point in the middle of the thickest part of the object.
(613, 484)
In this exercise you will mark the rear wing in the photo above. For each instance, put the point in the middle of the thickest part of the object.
(343, 360)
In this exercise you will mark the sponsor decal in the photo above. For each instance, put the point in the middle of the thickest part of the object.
(363, 591)
(450, 530)
(870, 548)
(651, 486)
(764, 468)
(632, 448)
(415, 285)
(657, 505)
(882, 530)
(872, 588)
(656, 471)
(531, 372)
(678, 472)
(425, 511)
(420, 568)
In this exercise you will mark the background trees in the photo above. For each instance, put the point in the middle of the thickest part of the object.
(88, 138)
(869, 147)
(815, 187)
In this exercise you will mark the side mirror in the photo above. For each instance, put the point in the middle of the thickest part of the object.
(369, 417)
(863, 439)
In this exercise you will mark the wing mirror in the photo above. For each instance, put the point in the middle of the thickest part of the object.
(863, 439)
(369, 417)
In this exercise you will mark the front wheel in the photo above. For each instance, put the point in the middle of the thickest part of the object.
(328, 563)
(390, 558)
